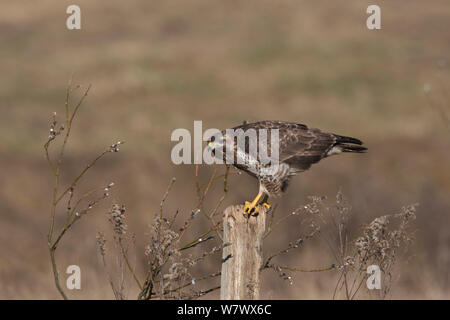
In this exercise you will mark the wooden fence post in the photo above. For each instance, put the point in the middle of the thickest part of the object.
(240, 277)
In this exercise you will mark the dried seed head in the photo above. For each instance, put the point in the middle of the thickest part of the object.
(101, 243)
(117, 219)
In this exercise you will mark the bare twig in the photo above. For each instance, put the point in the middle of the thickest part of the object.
(72, 215)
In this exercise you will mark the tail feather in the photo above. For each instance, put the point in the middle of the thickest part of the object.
(343, 139)
(349, 144)
(351, 148)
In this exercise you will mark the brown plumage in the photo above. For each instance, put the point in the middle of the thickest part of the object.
(299, 148)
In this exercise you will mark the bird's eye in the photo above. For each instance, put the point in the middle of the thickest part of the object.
(211, 140)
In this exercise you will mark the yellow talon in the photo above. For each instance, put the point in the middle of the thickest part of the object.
(251, 207)
(268, 206)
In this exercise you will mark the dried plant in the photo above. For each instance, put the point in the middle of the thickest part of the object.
(383, 240)
(168, 271)
(73, 208)
(122, 242)
(381, 243)
(314, 230)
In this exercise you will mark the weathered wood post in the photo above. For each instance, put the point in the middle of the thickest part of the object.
(240, 277)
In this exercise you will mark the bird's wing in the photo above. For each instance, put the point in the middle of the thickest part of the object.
(300, 147)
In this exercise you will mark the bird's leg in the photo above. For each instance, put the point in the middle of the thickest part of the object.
(251, 207)
(264, 201)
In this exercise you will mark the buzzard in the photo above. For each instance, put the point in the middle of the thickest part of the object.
(298, 148)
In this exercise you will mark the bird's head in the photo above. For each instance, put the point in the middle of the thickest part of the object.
(216, 142)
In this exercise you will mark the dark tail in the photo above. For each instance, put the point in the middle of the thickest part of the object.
(349, 144)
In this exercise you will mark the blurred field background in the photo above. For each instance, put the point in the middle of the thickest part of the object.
(156, 66)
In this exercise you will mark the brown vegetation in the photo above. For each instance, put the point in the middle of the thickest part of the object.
(158, 66)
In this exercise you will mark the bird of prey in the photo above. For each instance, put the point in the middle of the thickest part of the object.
(298, 148)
